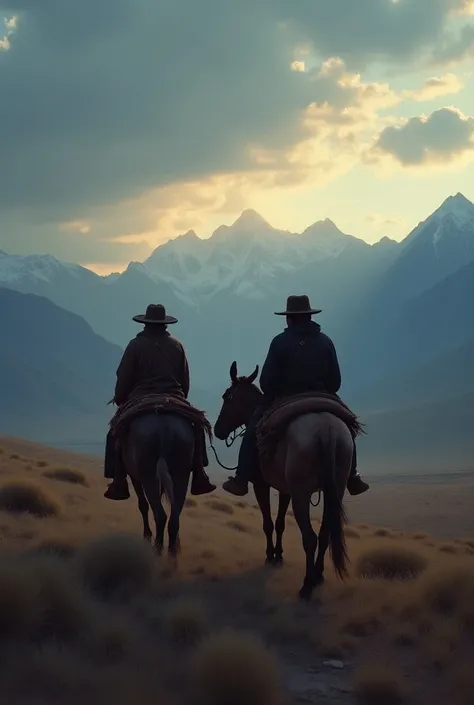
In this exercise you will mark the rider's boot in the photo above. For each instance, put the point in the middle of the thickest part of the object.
(236, 486)
(118, 489)
(200, 483)
(355, 484)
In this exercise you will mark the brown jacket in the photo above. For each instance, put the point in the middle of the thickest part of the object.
(154, 361)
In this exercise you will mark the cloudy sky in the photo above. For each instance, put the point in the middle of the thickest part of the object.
(126, 122)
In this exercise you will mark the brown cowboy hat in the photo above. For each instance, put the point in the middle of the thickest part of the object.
(155, 313)
(296, 305)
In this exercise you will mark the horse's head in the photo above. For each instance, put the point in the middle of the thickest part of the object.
(239, 402)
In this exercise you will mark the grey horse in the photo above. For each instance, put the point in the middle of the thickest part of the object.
(314, 454)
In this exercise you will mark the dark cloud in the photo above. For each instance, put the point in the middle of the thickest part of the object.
(104, 99)
(445, 134)
(363, 31)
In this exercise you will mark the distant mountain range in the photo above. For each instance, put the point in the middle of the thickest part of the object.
(399, 313)
(56, 374)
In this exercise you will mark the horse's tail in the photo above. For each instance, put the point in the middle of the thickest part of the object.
(334, 516)
(165, 482)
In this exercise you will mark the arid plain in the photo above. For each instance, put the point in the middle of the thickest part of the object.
(88, 612)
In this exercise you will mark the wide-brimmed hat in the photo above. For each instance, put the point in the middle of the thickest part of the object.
(297, 305)
(155, 313)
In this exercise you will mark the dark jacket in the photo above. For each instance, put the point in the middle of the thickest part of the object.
(153, 361)
(301, 359)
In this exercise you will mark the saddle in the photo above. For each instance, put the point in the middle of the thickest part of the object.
(164, 403)
(284, 411)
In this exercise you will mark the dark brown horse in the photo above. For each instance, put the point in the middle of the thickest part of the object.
(314, 454)
(158, 454)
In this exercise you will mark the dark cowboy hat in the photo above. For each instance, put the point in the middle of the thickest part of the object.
(296, 305)
(155, 313)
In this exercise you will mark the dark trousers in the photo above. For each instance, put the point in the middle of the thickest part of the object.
(249, 461)
(113, 465)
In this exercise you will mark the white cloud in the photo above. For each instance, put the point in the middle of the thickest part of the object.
(435, 87)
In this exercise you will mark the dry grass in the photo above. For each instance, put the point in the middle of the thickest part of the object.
(116, 564)
(390, 563)
(74, 477)
(27, 498)
(98, 617)
(187, 620)
(378, 685)
(232, 668)
(218, 505)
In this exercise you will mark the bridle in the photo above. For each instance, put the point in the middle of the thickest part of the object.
(229, 441)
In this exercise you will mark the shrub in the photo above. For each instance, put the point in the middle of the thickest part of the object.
(450, 590)
(390, 563)
(231, 668)
(16, 594)
(74, 477)
(27, 498)
(116, 563)
(186, 620)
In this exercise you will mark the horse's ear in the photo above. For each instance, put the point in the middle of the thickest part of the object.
(233, 371)
(254, 375)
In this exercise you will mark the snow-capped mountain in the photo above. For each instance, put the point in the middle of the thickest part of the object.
(247, 257)
(43, 268)
(436, 248)
(451, 224)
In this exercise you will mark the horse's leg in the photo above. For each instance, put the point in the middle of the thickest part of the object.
(323, 544)
(301, 503)
(283, 503)
(159, 514)
(262, 494)
(143, 506)
(180, 489)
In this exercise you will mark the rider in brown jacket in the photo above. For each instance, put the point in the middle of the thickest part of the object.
(153, 362)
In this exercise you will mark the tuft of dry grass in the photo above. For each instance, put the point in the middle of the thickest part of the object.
(218, 505)
(74, 477)
(450, 591)
(16, 599)
(186, 620)
(231, 668)
(378, 685)
(118, 563)
(24, 497)
(382, 533)
(239, 526)
(62, 608)
(390, 563)
(64, 548)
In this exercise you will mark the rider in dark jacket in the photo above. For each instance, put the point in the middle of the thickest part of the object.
(301, 359)
(153, 362)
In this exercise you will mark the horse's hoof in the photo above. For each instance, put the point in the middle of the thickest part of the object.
(147, 538)
(305, 593)
(270, 561)
(278, 562)
(158, 550)
(174, 551)
(319, 580)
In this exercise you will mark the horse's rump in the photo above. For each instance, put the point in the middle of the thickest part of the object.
(164, 404)
(277, 419)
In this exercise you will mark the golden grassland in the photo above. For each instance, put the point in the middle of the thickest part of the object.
(88, 612)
